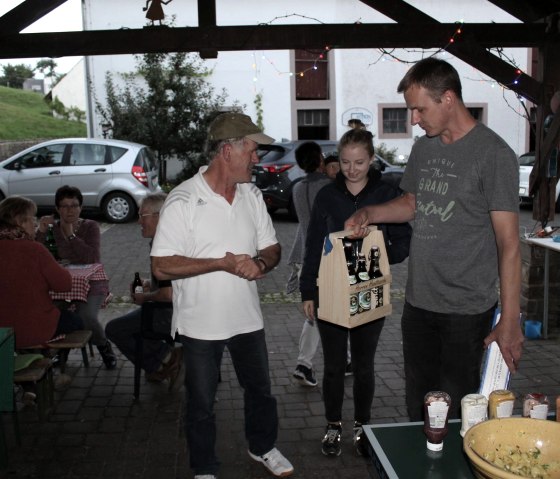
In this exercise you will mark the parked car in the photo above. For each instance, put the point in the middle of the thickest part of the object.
(277, 172)
(526, 163)
(112, 175)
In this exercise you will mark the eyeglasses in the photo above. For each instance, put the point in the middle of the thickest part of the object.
(142, 215)
(69, 207)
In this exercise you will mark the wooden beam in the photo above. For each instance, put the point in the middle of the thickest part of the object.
(472, 51)
(25, 14)
(528, 10)
(263, 37)
(207, 18)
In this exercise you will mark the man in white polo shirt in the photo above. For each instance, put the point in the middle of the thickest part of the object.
(214, 239)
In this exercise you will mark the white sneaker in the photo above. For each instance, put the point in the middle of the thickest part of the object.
(275, 462)
(205, 476)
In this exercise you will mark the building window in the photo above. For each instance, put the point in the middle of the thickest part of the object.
(394, 121)
(313, 124)
(477, 113)
(312, 75)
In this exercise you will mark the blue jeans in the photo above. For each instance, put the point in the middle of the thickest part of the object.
(363, 343)
(122, 332)
(442, 352)
(202, 360)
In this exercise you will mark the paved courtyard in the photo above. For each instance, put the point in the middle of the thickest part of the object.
(97, 429)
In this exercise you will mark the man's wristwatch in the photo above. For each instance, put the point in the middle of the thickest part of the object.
(260, 261)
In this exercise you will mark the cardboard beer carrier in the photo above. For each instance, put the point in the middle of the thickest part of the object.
(335, 290)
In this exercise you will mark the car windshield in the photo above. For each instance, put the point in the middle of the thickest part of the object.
(527, 160)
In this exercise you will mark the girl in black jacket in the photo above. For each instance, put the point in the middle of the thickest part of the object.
(356, 185)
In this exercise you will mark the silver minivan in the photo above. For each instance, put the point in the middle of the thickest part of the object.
(113, 175)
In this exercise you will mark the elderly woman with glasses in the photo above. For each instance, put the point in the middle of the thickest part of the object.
(78, 241)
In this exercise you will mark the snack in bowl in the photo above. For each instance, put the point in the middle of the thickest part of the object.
(510, 448)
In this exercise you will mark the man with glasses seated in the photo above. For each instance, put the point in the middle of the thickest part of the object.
(160, 360)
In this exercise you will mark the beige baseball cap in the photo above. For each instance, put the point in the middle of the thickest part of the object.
(236, 125)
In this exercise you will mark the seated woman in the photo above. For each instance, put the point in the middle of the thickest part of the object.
(78, 241)
(29, 272)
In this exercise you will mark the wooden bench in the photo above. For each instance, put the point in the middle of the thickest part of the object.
(38, 372)
(74, 340)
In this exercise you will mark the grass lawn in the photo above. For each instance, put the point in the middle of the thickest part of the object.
(25, 115)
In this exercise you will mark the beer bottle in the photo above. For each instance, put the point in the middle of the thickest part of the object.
(349, 251)
(352, 277)
(353, 304)
(50, 242)
(137, 284)
(364, 297)
(361, 272)
(375, 272)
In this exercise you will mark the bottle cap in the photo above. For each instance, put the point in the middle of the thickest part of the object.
(434, 446)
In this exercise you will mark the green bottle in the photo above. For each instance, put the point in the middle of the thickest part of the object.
(50, 242)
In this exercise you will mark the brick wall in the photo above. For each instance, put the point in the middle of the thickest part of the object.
(532, 284)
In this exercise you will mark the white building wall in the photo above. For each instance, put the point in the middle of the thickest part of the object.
(363, 78)
(71, 89)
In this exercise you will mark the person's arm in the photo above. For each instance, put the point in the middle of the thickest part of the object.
(84, 247)
(161, 295)
(507, 333)
(268, 258)
(398, 210)
(179, 267)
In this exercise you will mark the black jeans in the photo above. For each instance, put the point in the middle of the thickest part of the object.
(363, 343)
(442, 352)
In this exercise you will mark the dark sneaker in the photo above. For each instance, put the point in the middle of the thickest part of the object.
(360, 440)
(305, 375)
(348, 371)
(275, 462)
(108, 356)
(331, 441)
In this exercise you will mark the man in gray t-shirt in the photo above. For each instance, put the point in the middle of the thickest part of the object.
(461, 189)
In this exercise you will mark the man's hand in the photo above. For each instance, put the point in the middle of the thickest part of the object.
(358, 223)
(249, 269)
(242, 265)
(138, 298)
(509, 337)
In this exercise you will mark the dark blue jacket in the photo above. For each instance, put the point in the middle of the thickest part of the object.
(333, 205)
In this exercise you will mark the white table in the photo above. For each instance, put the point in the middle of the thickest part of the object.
(548, 244)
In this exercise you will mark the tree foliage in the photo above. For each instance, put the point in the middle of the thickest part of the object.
(15, 75)
(47, 67)
(166, 104)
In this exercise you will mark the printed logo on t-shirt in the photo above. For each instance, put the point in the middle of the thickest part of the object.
(433, 206)
(200, 202)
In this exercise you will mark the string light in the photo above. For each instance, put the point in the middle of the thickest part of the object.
(386, 55)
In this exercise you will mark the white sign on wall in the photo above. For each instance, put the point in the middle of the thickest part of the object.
(357, 113)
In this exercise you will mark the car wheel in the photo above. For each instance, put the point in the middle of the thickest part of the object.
(119, 208)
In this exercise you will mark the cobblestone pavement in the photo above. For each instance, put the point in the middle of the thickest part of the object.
(98, 430)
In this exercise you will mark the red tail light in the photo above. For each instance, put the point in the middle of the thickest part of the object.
(139, 173)
(276, 168)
